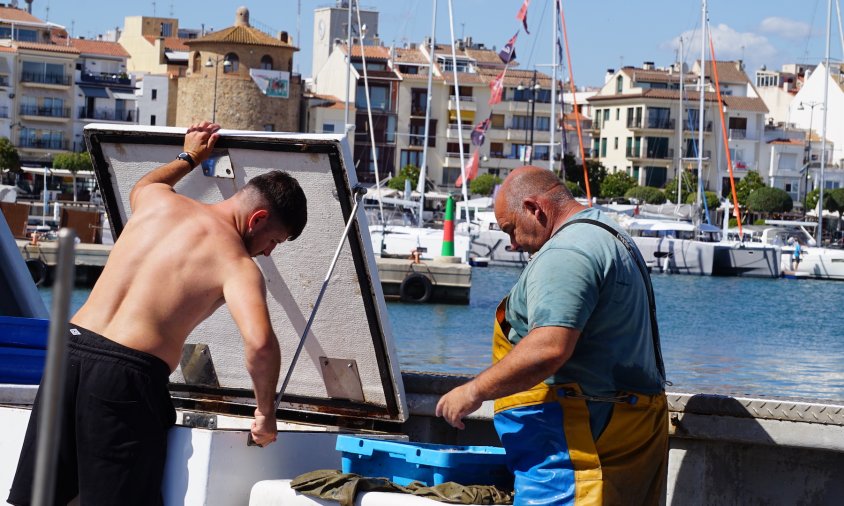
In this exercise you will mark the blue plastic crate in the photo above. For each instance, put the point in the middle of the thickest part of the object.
(22, 366)
(24, 332)
(430, 464)
(23, 343)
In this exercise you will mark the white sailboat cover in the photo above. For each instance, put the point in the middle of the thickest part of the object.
(348, 366)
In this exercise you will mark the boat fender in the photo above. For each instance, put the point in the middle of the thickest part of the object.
(416, 287)
(37, 269)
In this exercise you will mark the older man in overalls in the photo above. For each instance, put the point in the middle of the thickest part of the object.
(577, 378)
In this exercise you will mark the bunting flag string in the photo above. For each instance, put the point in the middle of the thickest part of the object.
(479, 132)
(508, 52)
(522, 15)
(496, 88)
(471, 170)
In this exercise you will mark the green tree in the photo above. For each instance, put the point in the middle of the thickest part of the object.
(407, 172)
(812, 199)
(574, 174)
(616, 184)
(748, 184)
(484, 184)
(769, 200)
(10, 160)
(575, 189)
(689, 180)
(835, 203)
(647, 194)
(74, 162)
(712, 200)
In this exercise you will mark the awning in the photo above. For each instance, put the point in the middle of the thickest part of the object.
(122, 95)
(94, 92)
(465, 117)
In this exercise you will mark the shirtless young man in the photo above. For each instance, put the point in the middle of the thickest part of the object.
(176, 262)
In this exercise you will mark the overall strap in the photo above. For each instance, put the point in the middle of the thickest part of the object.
(640, 263)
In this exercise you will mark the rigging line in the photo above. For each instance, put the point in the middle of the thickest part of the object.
(420, 184)
(576, 111)
(537, 32)
(809, 35)
(368, 109)
(840, 30)
(724, 135)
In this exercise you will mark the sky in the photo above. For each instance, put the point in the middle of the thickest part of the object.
(602, 34)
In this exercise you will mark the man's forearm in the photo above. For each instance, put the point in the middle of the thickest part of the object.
(170, 173)
(263, 364)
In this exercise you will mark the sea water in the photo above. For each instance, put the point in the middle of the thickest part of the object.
(741, 336)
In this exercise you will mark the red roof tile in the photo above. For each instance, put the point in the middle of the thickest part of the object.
(241, 35)
(53, 48)
(171, 43)
(12, 14)
(96, 47)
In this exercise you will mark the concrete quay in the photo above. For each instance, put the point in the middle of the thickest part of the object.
(443, 279)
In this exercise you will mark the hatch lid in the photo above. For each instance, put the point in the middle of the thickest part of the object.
(348, 366)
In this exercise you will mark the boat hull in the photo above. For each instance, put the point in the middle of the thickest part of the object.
(677, 256)
(747, 261)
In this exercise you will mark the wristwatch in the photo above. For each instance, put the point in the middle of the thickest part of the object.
(186, 157)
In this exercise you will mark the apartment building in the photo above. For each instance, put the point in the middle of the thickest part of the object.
(156, 48)
(640, 127)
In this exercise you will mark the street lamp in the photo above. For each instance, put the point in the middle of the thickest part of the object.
(534, 87)
(800, 107)
(215, 62)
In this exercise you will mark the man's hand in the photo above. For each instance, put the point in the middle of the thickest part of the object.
(200, 140)
(458, 403)
(264, 429)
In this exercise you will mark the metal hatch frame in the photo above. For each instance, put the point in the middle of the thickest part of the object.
(308, 409)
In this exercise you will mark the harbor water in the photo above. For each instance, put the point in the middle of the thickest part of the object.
(742, 336)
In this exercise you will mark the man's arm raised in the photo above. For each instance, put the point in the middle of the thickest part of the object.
(246, 298)
(199, 141)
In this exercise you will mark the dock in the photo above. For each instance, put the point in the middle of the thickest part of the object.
(440, 280)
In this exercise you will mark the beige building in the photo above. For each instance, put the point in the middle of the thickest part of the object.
(241, 78)
(398, 91)
(155, 49)
(639, 127)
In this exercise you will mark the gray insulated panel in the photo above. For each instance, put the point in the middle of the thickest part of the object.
(348, 360)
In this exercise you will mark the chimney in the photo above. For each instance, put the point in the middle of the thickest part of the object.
(412, 45)
(609, 75)
(648, 65)
(460, 45)
(468, 41)
(284, 37)
(241, 17)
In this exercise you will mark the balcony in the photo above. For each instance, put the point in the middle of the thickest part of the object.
(43, 144)
(633, 123)
(466, 103)
(51, 79)
(451, 133)
(707, 127)
(4, 112)
(665, 124)
(89, 77)
(738, 134)
(4, 81)
(417, 111)
(45, 112)
(107, 114)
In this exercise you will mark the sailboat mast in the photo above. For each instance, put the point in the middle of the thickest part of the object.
(420, 185)
(819, 231)
(465, 184)
(681, 120)
(348, 66)
(701, 91)
(552, 149)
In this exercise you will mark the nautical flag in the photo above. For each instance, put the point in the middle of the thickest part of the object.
(559, 49)
(522, 15)
(508, 52)
(471, 170)
(496, 88)
(479, 131)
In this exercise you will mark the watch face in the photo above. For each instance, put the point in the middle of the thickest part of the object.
(321, 29)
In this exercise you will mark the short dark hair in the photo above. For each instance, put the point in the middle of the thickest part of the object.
(286, 199)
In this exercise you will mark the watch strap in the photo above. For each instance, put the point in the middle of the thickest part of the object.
(188, 158)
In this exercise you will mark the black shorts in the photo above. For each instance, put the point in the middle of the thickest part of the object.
(117, 411)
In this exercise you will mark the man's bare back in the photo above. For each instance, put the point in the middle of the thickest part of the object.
(150, 295)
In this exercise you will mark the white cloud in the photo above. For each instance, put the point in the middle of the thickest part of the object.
(785, 28)
(752, 48)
